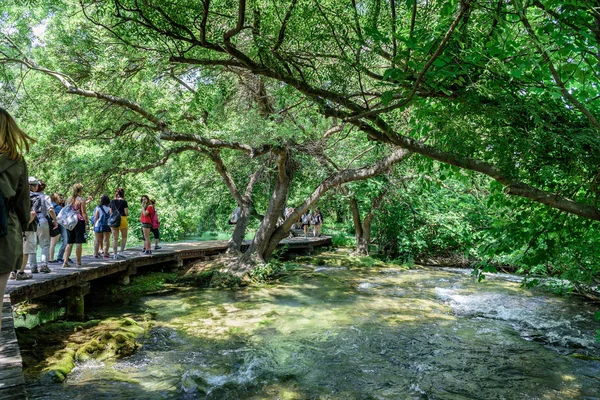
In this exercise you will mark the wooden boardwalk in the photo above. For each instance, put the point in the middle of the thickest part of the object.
(12, 384)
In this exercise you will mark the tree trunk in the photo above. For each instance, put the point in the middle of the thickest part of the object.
(234, 246)
(363, 229)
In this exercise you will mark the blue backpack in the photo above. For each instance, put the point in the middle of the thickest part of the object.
(102, 224)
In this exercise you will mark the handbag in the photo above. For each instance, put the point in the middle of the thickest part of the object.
(114, 221)
(67, 217)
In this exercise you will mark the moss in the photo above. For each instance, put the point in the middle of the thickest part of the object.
(225, 280)
(100, 340)
(60, 364)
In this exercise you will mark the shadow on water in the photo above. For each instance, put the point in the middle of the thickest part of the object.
(353, 334)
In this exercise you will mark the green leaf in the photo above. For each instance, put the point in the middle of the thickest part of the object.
(387, 97)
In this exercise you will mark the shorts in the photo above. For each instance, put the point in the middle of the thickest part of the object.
(124, 222)
(156, 233)
(146, 226)
(77, 235)
(29, 242)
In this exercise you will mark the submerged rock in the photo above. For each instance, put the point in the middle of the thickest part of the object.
(109, 339)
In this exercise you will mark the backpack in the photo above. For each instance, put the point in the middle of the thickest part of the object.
(102, 224)
(114, 221)
(67, 217)
(305, 219)
(37, 204)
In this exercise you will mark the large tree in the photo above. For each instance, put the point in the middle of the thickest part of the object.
(519, 76)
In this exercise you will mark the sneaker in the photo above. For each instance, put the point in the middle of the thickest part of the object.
(106, 256)
(13, 275)
(70, 260)
(59, 260)
(96, 256)
(34, 269)
(122, 254)
(143, 251)
(157, 247)
(115, 256)
(79, 265)
(22, 276)
(45, 269)
(66, 265)
(148, 252)
(52, 261)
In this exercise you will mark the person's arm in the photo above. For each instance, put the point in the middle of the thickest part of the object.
(97, 215)
(32, 216)
(83, 212)
(50, 209)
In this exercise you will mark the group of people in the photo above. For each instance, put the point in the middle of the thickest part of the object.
(308, 219)
(29, 222)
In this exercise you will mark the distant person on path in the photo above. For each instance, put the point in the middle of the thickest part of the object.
(235, 216)
(14, 190)
(146, 220)
(101, 228)
(55, 198)
(45, 217)
(64, 233)
(306, 222)
(119, 204)
(155, 226)
(317, 221)
(77, 235)
(30, 239)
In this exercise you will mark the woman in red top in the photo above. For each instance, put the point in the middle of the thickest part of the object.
(146, 220)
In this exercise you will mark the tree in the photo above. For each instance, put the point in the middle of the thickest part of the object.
(371, 64)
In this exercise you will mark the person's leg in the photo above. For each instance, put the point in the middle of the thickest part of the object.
(78, 252)
(64, 235)
(106, 243)
(68, 250)
(146, 232)
(43, 236)
(53, 243)
(24, 263)
(3, 282)
(98, 239)
(123, 239)
(115, 240)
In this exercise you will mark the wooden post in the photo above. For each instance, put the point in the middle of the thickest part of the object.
(76, 301)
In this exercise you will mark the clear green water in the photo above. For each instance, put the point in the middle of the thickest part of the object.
(334, 333)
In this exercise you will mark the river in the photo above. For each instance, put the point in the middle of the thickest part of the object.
(354, 333)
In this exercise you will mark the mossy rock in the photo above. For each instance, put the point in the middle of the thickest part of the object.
(60, 364)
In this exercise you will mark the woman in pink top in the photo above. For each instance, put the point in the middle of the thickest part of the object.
(146, 220)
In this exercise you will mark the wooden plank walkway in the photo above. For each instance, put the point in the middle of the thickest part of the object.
(12, 384)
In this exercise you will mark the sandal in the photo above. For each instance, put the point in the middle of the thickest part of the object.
(65, 265)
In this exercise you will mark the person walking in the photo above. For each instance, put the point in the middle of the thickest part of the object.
(77, 235)
(55, 234)
(101, 228)
(306, 222)
(155, 226)
(119, 204)
(64, 233)
(45, 216)
(146, 220)
(317, 221)
(14, 195)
